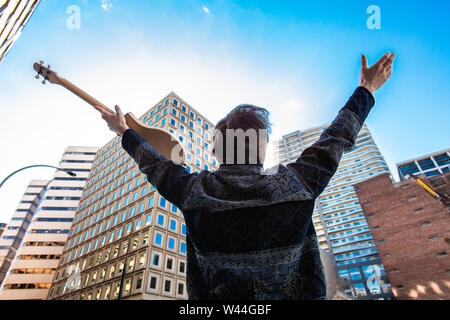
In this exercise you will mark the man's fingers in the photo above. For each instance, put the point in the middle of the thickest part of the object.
(363, 61)
(118, 110)
(382, 60)
(98, 109)
(390, 60)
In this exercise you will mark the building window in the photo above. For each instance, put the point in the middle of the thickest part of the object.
(155, 259)
(167, 285)
(160, 220)
(173, 225)
(183, 247)
(169, 263)
(171, 243)
(138, 282)
(153, 283)
(158, 238)
(145, 239)
(162, 202)
(142, 260)
(180, 288)
(425, 223)
(182, 267)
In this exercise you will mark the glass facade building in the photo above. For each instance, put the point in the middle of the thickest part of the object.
(338, 218)
(123, 226)
(430, 165)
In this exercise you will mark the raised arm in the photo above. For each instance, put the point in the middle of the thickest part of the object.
(318, 163)
(171, 180)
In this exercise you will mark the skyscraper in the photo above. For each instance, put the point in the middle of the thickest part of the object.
(17, 227)
(32, 270)
(338, 218)
(124, 226)
(14, 14)
(430, 165)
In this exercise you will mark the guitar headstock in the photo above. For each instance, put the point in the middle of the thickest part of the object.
(46, 73)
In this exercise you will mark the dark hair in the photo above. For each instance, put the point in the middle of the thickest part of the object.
(244, 116)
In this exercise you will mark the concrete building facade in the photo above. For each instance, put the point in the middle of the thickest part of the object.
(14, 14)
(412, 232)
(2, 228)
(338, 218)
(33, 267)
(122, 221)
(17, 227)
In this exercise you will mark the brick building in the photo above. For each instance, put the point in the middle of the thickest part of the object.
(412, 233)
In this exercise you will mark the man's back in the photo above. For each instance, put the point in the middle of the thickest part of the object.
(250, 235)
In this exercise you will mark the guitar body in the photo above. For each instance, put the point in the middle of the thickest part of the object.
(162, 141)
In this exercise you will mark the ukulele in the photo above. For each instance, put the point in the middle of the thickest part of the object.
(163, 142)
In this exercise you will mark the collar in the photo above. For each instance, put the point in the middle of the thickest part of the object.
(251, 168)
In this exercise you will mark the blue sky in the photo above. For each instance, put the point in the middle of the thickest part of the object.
(298, 59)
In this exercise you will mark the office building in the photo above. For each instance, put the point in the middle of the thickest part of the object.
(2, 228)
(14, 14)
(430, 165)
(338, 218)
(411, 228)
(17, 227)
(124, 224)
(33, 267)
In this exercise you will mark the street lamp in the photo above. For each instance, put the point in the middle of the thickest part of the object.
(70, 173)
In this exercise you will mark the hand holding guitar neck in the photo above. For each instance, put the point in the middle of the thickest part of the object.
(162, 141)
(115, 120)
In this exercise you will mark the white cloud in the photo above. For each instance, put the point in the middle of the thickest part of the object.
(106, 5)
(205, 9)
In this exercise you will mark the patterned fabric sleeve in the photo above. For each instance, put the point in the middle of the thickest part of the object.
(170, 179)
(318, 163)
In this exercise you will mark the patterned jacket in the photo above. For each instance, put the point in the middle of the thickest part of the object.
(250, 235)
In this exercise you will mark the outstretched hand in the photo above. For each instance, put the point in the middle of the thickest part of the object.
(116, 121)
(376, 76)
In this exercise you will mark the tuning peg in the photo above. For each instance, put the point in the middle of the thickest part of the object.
(37, 76)
(43, 82)
(41, 62)
(48, 66)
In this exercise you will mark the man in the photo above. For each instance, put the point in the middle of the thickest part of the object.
(250, 235)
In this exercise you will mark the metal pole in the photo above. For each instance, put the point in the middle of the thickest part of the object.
(70, 173)
(122, 279)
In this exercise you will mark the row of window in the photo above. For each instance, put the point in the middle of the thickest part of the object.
(163, 220)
